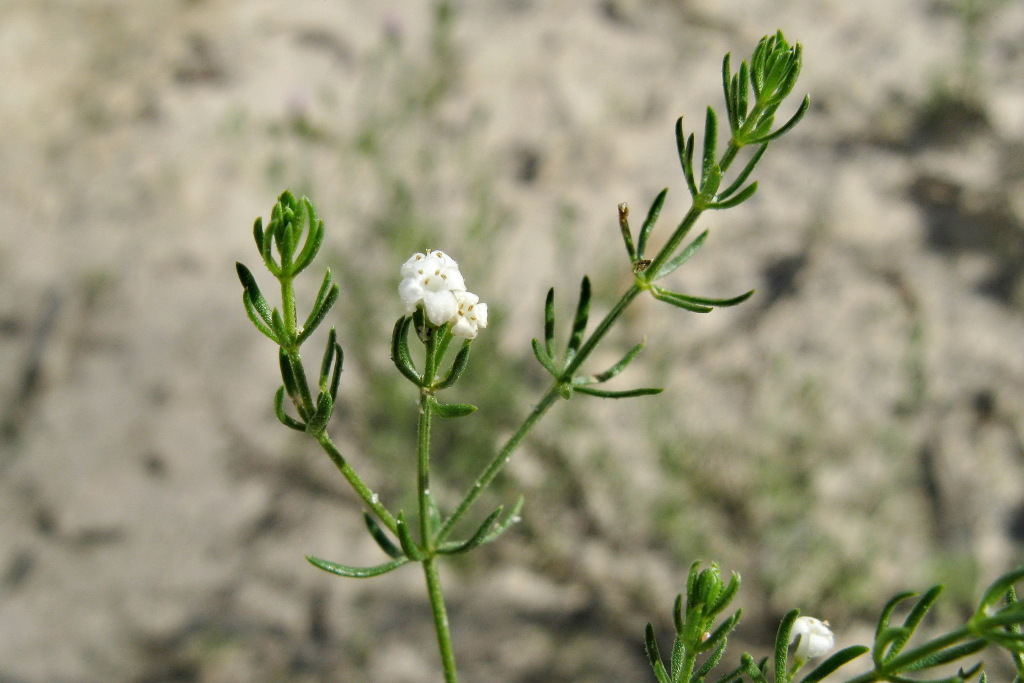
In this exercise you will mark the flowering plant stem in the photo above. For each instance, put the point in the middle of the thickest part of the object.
(427, 509)
(440, 308)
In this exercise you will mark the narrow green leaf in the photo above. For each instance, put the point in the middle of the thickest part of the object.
(910, 624)
(654, 655)
(631, 393)
(677, 658)
(318, 312)
(703, 301)
(1008, 639)
(736, 200)
(477, 538)
(948, 655)
(782, 643)
(512, 518)
(730, 677)
(409, 547)
(400, 350)
(761, 130)
(721, 632)
(380, 537)
(543, 358)
(284, 236)
(727, 88)
(285, 419)
(736, 184)
(681, 258)
(833, 663)
(710, 662)
(890, 607)
(627, 234)
(786, 127)
(921, 607)
(549, 325)
(676, 300)
(710, 186)
(621, 365)
(339, 361)
(314, 239)
(710, 148)
(277, 324)
(726, 596)
(257, 233)
(356, 572)
(691, 583)
(733, 104)
(883, 640)
(266, 251)
(998, 589)
(579, 324)
(433, 514)
(752, 669)
(291, 384)
(452, 410)
(741, 92)
(648, 226)
(458, 366)
(256, 298)
(681, 148)
(444, 340)
(328, 358)
(691, 181)
(677, 611)
(256, 319)
(324, 409)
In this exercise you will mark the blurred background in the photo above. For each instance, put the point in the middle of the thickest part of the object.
(855, 429)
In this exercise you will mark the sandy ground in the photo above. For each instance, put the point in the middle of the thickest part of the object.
(854, 430)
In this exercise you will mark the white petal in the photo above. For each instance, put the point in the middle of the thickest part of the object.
(463, 328)
(440, 306)
(480, 313)
(816, 638)
(411, 292)
(410, 267)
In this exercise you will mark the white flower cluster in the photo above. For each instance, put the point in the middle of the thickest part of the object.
(433, 280)
(816, 637)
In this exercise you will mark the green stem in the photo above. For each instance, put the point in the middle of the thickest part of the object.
(689, 663)
(600, 331)
(552, 395)
(288, 306)
(730, 155)
(423, 469)
(498, 461)
(291, 349)
(435, 349)
(676, 239)
(444, 635)
(368, 496)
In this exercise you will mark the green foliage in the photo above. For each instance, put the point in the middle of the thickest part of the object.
(440, 310)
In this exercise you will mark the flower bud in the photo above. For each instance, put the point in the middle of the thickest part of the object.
(812, 636)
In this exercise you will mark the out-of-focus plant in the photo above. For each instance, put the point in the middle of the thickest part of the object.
(701, 640)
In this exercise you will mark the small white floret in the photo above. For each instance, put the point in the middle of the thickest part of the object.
(815, 638)
(470, 316)
(432, 280)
